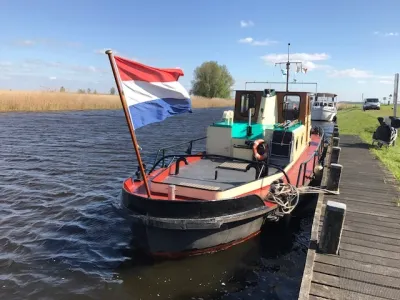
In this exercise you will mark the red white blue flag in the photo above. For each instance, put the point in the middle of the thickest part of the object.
(152, 94)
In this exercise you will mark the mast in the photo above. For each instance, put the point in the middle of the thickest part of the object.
(288, 62)
(127, 117)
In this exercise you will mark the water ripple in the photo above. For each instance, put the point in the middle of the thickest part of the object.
(62, 235)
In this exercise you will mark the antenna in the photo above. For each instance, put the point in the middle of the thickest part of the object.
(288, 62)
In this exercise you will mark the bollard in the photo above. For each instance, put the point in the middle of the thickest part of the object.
(335, 142)
(335, 134)
(333, 183)
(332, 227)
(335, 155)
(171, 192)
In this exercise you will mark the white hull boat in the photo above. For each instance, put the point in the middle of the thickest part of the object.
(324, 107)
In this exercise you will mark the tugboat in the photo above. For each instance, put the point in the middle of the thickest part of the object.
(254, 161)
(212, 200)
(324, 107)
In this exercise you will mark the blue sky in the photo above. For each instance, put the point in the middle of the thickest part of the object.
(349, 47)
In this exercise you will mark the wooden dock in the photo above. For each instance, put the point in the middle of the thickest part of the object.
(368, 264)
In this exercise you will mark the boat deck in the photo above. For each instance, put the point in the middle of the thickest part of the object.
(202, 174)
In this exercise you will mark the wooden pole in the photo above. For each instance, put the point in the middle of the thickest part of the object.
(332, 227)
(131, 129)
(395, 93)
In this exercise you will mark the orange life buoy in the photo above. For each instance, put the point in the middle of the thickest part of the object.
(257, 155)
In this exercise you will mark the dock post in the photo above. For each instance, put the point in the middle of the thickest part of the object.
(335, 174)
(335, 155)
(335, 132)
(171, 192)
(332, 227)
(335, 142)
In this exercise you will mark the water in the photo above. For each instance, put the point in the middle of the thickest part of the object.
(61, 236)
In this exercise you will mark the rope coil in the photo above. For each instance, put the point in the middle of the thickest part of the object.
(287, 195)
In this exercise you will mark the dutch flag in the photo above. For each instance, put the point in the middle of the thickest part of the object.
(151, 94)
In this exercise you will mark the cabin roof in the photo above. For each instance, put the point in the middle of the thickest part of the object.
(325, 95)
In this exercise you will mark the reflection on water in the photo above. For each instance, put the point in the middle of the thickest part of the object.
(61, 235)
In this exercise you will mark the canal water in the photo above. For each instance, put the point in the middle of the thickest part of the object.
(62, 237)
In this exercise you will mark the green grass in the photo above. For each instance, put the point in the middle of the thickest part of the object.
(354, 120)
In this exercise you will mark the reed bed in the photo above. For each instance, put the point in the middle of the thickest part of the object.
(57, 101)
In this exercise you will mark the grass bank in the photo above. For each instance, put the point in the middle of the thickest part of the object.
(55, 101)
(353, 120)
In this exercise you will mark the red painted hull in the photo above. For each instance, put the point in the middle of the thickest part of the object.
(188, 226)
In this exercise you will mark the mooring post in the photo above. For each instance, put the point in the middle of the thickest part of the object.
(335, 155)
(335, 142)
(171, 192)
(335, 174)
(335, 134)
(332, 227)
(336, 129)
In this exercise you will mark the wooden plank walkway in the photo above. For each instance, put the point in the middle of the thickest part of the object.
(368, 265)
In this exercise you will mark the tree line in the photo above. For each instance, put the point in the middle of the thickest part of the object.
(88, 91)
(210, 80)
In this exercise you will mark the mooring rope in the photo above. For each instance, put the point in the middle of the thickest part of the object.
(287, 195)
(312, 190)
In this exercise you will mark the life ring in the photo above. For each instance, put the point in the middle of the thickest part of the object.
(257, 155)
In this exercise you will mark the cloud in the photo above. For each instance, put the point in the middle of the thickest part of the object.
(253, 42)
(5, 64)
(360, 74)
(25, 43)
(53, 70)
(386, 82)
(46, 42)
(247, 40)
(246, 23)
(307, 59)
(353, 73)
(386, 34)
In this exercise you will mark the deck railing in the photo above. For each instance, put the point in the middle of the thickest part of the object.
(188, 150)
(317, 154)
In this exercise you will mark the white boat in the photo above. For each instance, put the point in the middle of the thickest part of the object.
(323, 107)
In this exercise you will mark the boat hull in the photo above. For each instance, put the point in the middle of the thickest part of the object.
(323, 114)
(169, 228)
(173, 243)
(183, 226)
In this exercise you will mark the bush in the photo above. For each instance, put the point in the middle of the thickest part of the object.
(212, 81)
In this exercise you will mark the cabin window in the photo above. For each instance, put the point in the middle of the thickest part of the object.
(291, 107)
(246, 101)
(316, 104)
(330, 104)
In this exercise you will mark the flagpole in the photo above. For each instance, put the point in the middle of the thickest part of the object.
(131, 130)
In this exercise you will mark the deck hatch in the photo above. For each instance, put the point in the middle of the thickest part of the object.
(239, 166)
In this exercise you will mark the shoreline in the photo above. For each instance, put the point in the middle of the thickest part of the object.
(39, 101)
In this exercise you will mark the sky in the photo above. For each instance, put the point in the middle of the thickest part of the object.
(349, 48)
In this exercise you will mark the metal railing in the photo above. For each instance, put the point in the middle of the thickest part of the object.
(317, 153)
(188, 150)
(302, 169)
